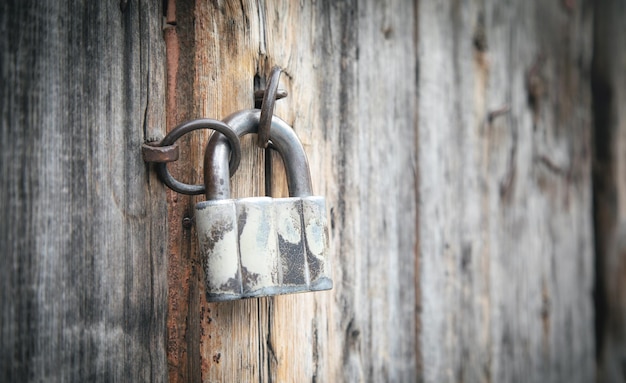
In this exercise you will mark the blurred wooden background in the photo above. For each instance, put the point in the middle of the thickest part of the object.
(472, 154)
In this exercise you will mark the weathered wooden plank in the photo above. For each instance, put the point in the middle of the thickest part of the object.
(183, 329)
(83, 230)
(505, 197)
(350, 73)
(609, 110)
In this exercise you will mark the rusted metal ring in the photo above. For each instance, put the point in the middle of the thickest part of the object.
(189, 126)
(267, 108)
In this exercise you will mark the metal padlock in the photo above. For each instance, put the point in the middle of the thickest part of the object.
(261, 246)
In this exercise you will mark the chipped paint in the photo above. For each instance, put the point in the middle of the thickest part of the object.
(290, 241)
(263, 246)
(217, 238)
(316, 242)
(257, 243)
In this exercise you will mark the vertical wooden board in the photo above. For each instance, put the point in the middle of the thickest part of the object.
(356, 119)
(505, 225)
(453, 282)
(183, 330)
(83, 230)
(609, 109)
(385, 194)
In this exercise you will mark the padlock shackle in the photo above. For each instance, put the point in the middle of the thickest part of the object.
(284, 140)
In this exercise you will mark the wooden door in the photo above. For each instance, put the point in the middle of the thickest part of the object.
(469, 151)
(350, 71)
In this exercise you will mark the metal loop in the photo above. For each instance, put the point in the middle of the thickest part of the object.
(284, 140)
(267, 108)
(189, 126)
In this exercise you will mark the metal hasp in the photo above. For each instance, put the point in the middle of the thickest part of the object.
(261, 246)
(166, 151)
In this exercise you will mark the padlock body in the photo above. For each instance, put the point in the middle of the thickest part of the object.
(261, 246)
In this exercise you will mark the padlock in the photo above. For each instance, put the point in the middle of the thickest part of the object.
(261, 246)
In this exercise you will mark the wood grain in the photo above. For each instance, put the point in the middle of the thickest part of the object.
(350, 72)
(83, 232)
(505, 226)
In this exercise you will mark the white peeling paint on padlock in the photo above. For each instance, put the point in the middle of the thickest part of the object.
(257, 246)
(292, 262)
(217, 237)
(294, 258)
(316, 242)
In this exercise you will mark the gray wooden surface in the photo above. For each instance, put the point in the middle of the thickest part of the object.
(83, 228)
(505, 212)
(609, 109)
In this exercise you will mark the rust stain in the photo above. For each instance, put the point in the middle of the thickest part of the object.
(176, 275)
(170, 12)
(182, 333)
